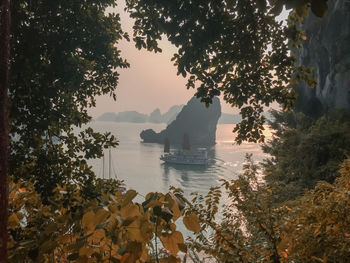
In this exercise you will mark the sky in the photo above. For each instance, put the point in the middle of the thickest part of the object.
(151, 81)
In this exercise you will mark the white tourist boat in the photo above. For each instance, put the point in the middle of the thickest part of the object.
(183, 157)
(198, 157)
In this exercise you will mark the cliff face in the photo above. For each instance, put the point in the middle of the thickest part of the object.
(327, 50)
(194, 119)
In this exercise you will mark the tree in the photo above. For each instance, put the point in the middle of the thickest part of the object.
(110, 228)
(233, 48)
(63, 55)
(253, 227)
(304, 151)
(5, 19)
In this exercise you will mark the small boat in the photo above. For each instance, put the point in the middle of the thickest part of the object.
(182, 157)
(186, 156)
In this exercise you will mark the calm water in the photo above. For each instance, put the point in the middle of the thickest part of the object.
(139, 166)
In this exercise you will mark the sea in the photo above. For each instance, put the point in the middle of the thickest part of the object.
(138, 165)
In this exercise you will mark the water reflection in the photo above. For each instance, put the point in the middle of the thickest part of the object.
(139, 166)
(191, 178)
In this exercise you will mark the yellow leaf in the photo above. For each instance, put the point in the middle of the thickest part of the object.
(134, 231)
(154, 203)
(128, 258)
(13, 220)
(113, 208)
(170, 242)
(128, 197)
(170, 259)
(191, 222)
(83, 259)
(22, 190)
(88, 221)
(129, 211)
(145, 254)
(100, 216)
(97, 236)
(176, 211)
(86, 251)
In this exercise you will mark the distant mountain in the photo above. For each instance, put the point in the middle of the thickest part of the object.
(195, 120)
(227, 118)
(171, 114)
(155, 116)
(168, 117)
(137, 117)
(107, 116)
(131, 116)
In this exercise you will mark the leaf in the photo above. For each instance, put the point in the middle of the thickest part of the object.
(170, 242)
(48, 246)
(179, 200)
(166, 214)
(130, 211)
(261, 5)
(88, 221)
(73, 256)
(13, 221)
(176, 212)
(22, 190)
(128, 197)
(134, 231)
(97, 236)
(278, 7)
(319, 7)
(170, 259)
(86, 251)
(191, 222)
(100, 216)
(128, 258)
(182, 247)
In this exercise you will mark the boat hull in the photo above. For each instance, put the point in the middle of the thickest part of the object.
(184, 159)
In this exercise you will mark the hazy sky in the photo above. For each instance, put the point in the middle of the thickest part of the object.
(150, 82)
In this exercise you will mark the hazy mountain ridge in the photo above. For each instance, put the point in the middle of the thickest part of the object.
(137, 117)
(156, 116)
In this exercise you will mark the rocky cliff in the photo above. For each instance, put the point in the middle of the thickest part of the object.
(327, 50)
(197, 121)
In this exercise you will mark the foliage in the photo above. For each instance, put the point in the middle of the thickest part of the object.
(225, 48)
(109, 228)
(245, 229)
(317, 225)
(63, 55)
(305, 151)
(256, 228)
(235, 48)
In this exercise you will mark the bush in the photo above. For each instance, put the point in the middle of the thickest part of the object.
(305, 151)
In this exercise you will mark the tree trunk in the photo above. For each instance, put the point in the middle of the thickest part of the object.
(5, 18)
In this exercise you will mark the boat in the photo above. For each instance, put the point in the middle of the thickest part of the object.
(182, 157)
(111, 171)
(185, 156)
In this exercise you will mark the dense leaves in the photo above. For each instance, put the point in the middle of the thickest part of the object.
(224, 47)
(254, 227)
(234, 48)
(63, 55)
(108, 228)
(304, 151)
